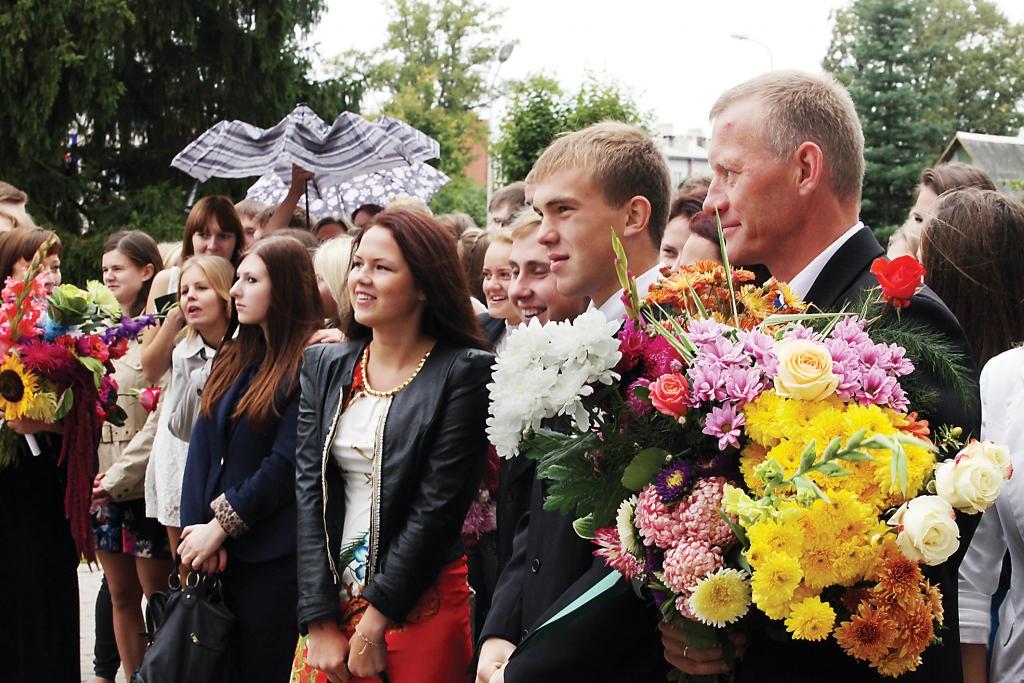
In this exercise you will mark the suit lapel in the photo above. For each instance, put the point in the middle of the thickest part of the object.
(841, 272)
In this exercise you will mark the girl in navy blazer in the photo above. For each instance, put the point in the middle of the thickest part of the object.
(238, 495)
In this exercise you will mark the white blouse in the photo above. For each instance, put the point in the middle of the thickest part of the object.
(353, 453)
(1001, 528)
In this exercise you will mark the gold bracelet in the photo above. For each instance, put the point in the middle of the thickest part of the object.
(367, 643)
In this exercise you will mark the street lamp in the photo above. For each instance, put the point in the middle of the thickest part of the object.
(744, 36)
(504, 52)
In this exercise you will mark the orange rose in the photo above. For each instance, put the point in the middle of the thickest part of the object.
(669, 394)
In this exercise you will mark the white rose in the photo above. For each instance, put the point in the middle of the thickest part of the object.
(927, 530)
(996, 453)
(970, 484)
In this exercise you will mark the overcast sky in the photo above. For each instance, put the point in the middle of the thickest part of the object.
(675, 56)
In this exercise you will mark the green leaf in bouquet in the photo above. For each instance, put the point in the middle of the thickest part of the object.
(104, 300)
(8, 448)
(641, 470)
(741, 533)
(807, 488)
(832, 449)
(855, 456)
(584, 527)
(676, 339)
(69, 305)
(908, 440)
(628, 283)
(808, 457)
(728, 268)
(832, 469)
(898, 467)
(95, 367)
(67, 399)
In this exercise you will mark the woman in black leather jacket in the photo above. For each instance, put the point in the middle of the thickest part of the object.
(391, 447)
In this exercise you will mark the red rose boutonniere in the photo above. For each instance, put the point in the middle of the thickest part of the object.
(900, 279)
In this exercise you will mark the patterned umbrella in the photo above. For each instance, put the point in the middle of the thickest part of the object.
(417, 180)
(349, 147)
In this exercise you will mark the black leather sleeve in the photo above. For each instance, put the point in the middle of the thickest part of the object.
(318, 594)
(456, 451)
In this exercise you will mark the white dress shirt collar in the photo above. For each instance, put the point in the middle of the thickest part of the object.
(614, 309)
(803, 281)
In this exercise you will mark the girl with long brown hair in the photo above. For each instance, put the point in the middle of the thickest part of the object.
(390, 453)
(238, 494)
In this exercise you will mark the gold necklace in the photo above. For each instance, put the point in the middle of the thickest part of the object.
(370, 391)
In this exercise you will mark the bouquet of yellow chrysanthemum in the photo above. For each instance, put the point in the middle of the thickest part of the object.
(740, 452)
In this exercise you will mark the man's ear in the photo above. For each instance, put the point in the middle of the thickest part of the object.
(810, 169)
(638, 216)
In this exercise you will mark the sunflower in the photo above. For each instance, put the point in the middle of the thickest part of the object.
(18, 388)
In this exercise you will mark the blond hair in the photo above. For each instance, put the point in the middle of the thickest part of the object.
(405, 201)
(220, 274)
(524, 223)
(622, 161)
(16, 219)
(9, 193)
(501, 236)
(331, 263)
(801, 107)
(250, 208)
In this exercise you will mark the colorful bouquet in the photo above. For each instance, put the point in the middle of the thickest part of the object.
(56, 351)
(728, 449)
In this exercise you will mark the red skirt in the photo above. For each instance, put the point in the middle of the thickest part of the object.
(433, 644)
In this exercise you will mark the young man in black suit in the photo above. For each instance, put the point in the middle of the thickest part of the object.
(787, 153)
(609, 176)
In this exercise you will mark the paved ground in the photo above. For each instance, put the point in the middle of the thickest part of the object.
(88, 586)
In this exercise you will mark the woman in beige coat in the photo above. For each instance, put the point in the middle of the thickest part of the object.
(132, 548)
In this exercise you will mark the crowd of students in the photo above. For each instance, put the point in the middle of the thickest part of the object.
(319, 440)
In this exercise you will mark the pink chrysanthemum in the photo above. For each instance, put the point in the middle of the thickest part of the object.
(659, 524)
(689, 562)
(683, 606)
(615, 556)
(701, 513)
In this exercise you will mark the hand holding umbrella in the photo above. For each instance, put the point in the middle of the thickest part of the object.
(285, 209)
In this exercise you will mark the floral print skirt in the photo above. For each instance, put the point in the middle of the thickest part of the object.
(124, 528)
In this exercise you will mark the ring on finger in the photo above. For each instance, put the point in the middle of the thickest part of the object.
(686, 649)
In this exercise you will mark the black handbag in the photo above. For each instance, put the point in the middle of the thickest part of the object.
(189, 629)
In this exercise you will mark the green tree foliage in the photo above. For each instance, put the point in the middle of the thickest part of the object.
(462, 195)
(918, 71)
(539, 110)
(132, 82)
(434, 73)
(435, 70)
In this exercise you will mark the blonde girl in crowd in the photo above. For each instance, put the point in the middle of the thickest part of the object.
(205, 306)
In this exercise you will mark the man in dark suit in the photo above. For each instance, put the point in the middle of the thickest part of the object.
(608, 176)
(787, 153)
